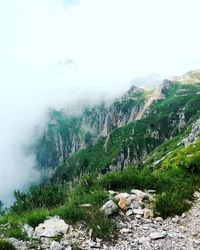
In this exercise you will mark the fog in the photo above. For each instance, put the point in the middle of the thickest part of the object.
(55, 52)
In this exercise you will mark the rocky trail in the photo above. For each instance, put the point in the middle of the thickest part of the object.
(178, 233)
(137, 228)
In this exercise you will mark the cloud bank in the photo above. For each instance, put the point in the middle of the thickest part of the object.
(53, 52)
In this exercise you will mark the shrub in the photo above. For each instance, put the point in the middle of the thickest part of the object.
(34, 218)
(5, 245)
(171, 203)
(193, 164)
(42, 196)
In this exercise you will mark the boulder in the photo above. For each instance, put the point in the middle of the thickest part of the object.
(109, 208)
(139, 193)
(51, 228)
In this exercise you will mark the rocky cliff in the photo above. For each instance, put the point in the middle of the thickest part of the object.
(64, 134)
(118, 134)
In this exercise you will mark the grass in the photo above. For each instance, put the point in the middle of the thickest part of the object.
(171, 203)
(5, 245)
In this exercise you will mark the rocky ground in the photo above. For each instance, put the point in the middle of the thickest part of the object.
(136, 228)
(178, 233)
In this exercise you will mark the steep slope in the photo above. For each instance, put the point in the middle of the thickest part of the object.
(165, 118)
(64, 134)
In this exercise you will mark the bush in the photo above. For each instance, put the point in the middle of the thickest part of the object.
(34, 218)
(193, 163)
(5, 245)
(171, 203)
(15, 231)
(42, 196)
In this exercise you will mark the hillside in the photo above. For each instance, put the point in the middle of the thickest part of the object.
(124, 173)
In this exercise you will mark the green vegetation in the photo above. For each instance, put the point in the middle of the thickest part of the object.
(173, 181)
(153, 143)
(5, 245)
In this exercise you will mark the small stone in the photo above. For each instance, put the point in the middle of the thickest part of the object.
(159, 219)
(129, 212)
(183, 215)
(86, 205)
(109, 208)
(125, 230)
(151, 191)
(111, 192)
(157, 235)
(123, 203)
(175, 219)
(56, 246)
(144, 240)
(138, 211)
(29, 230)
(148, 213)
(139, 193)
(90, 233)
(148, 221)
(121, 196)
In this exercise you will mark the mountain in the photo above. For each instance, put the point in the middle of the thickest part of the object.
(128, 172)
(107, 137)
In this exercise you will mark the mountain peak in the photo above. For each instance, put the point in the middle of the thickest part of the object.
(192, 76)
(132, 93)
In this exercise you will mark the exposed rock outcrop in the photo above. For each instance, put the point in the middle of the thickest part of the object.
(194, 134)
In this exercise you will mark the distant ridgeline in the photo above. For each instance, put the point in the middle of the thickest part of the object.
(107, 137)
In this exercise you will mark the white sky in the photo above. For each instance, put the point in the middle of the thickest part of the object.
(53, 51)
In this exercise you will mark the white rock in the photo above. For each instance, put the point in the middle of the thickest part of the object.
(121, 196)
(144, 240)
(18, 244)
(139, 193)
(138, 211)
(56, 246)
(129, 212)
(111, 192)
(109, 208)
(51, 228)
(29, 230)
(159, 219)
(157, 235)
(86, 205)
(125, 230)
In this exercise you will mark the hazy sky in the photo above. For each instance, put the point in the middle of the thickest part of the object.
(52, 51)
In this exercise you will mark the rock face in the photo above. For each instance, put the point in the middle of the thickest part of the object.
(194, 134)
(65, 134)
